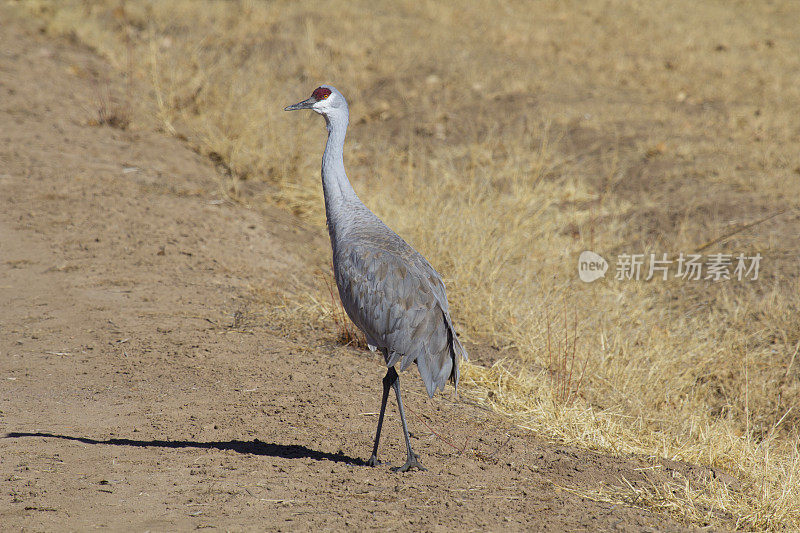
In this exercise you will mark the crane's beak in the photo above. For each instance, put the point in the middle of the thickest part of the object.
(305, 104)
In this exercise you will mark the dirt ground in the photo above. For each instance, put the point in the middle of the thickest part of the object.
(139, 391)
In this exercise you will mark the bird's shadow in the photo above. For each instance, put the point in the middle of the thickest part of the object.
(254, 447)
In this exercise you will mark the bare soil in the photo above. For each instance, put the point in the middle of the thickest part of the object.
(141, 389)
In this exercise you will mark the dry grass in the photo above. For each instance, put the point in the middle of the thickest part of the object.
(566, 372)
(504, 140)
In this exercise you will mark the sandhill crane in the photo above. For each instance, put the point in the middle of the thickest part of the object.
(387, 288)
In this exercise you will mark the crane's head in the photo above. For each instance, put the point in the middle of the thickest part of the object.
(325, 100)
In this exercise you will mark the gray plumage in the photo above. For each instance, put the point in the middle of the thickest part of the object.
(387, 288)
(397, 299)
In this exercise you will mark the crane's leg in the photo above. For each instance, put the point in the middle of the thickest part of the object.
(388, 380)
(412, 459)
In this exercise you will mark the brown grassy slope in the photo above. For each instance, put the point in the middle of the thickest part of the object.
(504, 140)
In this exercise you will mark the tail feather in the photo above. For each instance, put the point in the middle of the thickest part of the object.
(457, 352)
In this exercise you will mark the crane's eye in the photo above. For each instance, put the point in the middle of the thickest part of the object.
(321, 93)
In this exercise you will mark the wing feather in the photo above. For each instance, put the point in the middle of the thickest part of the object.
(401, 306)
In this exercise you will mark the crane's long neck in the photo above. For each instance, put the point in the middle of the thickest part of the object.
(335, 185)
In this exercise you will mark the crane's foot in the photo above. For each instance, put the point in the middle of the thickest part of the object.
(411, 462)
(373, 461)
